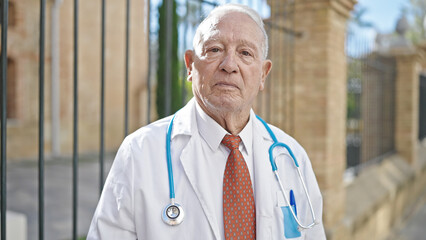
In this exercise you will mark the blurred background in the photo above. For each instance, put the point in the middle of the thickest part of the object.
(348, 82)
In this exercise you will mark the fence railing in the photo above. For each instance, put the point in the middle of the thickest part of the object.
(371, 106)
(279, 27)
(41, 113)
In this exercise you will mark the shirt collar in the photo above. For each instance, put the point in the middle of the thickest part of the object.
(213, 133)
(246, 136)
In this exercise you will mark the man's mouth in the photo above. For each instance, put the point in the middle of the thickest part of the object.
(226, 85)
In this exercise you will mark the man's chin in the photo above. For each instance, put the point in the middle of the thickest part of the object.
(223, 105)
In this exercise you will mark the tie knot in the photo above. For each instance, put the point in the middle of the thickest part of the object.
(232, 142)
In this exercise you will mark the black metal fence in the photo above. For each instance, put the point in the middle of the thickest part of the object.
(3, 67)
(190, 12)
(422, 109)
(370, 106)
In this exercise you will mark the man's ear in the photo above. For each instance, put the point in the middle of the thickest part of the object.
(189, 55)
(266, 69)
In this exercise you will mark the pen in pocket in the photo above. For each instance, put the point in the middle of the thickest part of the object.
(293, 202)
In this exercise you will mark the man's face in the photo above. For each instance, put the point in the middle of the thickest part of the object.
(227, 69)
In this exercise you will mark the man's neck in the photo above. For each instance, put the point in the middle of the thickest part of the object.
(232, 121)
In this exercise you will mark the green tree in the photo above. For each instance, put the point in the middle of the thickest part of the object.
(176, 91)
(417, 32)
(356, 20)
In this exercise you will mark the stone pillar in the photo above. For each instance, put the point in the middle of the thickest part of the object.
(407, 104)
(320, 97)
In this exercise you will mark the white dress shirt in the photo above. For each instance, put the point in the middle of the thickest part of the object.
(212, 134)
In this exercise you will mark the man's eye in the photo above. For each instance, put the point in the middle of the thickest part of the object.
(214, 50)
(246, 53)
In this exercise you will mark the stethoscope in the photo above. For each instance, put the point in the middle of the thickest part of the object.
(173, 213)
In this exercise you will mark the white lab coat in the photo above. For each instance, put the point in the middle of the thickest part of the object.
(137, 189)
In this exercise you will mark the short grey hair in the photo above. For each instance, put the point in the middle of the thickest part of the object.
(228, 8)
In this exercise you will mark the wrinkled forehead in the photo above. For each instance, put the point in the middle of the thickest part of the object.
(209, 28)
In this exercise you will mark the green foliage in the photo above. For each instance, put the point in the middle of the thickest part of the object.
(417, 32)
(176, 91)
(356, 20)
(354, 76)
(351, 105)
(188, 89)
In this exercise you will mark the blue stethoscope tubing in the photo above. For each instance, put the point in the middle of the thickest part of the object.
(173, 214)
(169, 159)
(274, 169)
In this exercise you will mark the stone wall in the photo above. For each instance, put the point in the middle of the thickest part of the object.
(407, 104)
(320, 97)
(382, 196)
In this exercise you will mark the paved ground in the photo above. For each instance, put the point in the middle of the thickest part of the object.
(22, 194)
(414, 227)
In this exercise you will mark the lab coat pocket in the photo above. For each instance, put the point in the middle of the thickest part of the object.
(290, 225)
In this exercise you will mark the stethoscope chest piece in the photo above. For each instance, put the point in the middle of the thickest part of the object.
(173, 214)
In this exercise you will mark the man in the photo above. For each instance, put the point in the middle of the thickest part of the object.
(218, 152)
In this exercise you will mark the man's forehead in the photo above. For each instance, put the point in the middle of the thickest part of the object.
(211, 28)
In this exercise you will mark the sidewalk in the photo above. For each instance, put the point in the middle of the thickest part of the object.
(22, 194)
(413, 228)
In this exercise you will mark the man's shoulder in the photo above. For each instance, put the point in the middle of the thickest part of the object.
(152, 132)
(155, 132)
(284, 137)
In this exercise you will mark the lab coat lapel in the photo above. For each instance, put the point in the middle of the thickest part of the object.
(194, 168)
(263, 180)
(195, 171)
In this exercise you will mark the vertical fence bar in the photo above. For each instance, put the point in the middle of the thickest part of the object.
(55, 79)
(200, 11)
(75, 130)
(126, 88)
(422, 108)
(148, 81)
(169, 32)
(291, 67)
(102, 127)
(41, 123)
(185, 33)
(282, 94)
(4, 9)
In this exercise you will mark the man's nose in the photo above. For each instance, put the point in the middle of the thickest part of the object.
(229, 63)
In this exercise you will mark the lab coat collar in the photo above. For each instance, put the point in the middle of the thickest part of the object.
(259, 129)
(185, 121)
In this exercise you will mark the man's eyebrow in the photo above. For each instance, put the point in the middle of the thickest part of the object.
(247, 42)
(250, 44)
(210, 40)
